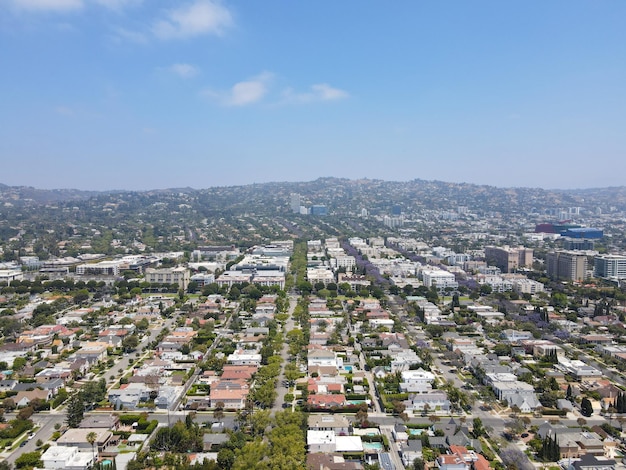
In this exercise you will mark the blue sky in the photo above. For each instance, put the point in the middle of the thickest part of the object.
(141, 94)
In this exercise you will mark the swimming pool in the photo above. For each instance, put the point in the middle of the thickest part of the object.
(373, 446)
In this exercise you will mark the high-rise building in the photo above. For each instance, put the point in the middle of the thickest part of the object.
(508, 259)
(610, 266)
(295, 203)
(566, 265)
(319, 209)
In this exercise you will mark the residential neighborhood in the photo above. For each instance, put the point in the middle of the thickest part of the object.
(468, 352)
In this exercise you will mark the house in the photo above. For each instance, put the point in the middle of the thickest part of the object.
(591, 462)
(328, 442)
(58, 457)
(403, 359)
(7, 385)
(400, 433)
(435, 402)
(564, 404)
(233, 398)
(451, 462)
(507, 387)
(590, 443)
(515, 336)
(93, 351)
(53, 374)
(24, 398)
(410, 451)
(321, 441)
(242, 358)
(212, 442)
(326, 401)
(77, 437)
(238, 372)
(416, 381)
(53, 385)
(335, 461)
(324, 358)
(111, 422)
(330, 422)
(129, 395)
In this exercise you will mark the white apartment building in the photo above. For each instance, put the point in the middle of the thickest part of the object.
(439, 278)
(610, 266)
(8, 275)
(178, 275)
(527, 286)
(320, 274)
(344, 261)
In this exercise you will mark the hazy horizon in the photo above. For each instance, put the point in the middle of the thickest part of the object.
(165, 188)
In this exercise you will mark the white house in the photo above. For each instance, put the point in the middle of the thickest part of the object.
(435, 401)
(416, 381)
(324, 358)
(66, 458)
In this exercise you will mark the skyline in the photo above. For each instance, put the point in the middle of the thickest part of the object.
(137, 95)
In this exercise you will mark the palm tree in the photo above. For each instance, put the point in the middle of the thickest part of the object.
(91, 438)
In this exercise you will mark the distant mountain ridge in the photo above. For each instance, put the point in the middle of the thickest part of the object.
(344, 194)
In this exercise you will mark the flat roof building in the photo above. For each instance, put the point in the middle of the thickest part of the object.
(610, 266)
(566, 265)
(509, 259)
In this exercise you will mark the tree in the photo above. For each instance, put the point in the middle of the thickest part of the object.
(91, 438)
(29, 460)
(25, 413)
(253, 455)
(433, 419)
(218, 413)
(130, 343)
(225, 458)
(418, 464)
(19, 363)
(515, 459)
(515, 426)
(75, 410)
(586, 409)
(259, 421)
(478, 429)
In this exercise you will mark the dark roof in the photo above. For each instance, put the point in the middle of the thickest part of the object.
(414, 445)
(24, 387)
(588, 460)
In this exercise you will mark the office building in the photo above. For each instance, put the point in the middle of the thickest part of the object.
(295, 203)
(610, 266)
(566, 265)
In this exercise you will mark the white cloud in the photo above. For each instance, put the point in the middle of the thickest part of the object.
(48, 5)
(125, 35)
(118, 5)
(325, 92)
(184, 70)
(194, 19)
(318, 92)
(243, 93)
